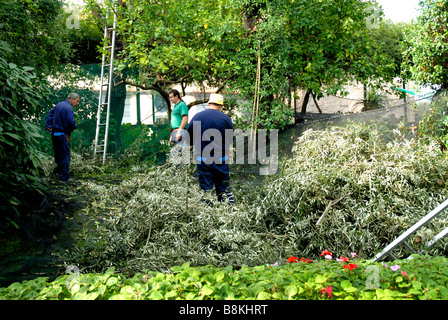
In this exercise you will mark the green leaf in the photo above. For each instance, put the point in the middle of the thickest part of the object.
(220, 276)
(110, 271)
(206, 290)
(193, 272)
(444, 293)
(263, 296)
(278, 296)
(320, 279)
(191, 296)
(345, 284)
(101, 290)
(171, 294)
(155, 295)
(414, 292)
(92, 296)
(417, 285)
(291, 291)
(176, 269)
(12, 135)
(111, 281)
(351, 289)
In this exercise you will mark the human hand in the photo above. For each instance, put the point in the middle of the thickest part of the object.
(179, 135)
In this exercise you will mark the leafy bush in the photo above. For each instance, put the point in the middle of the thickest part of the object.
(277, 115)
(422, 278)
(144, 143)
(433, 124)
(21, 93)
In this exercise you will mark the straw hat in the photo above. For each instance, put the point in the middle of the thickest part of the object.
(216, 99)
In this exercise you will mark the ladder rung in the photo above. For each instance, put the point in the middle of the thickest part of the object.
(441, 235)
(102, 124)
(392, 256)
(105, 84)
(406, 244)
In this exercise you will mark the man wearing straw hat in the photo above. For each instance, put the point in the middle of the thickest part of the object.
(211, 133)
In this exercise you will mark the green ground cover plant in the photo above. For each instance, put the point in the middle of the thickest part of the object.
(421, 278)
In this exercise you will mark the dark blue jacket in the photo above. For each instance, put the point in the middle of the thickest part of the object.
(62, 118)
(206, 141)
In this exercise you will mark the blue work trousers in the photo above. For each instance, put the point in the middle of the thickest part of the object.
(215, 175)
(62, 155)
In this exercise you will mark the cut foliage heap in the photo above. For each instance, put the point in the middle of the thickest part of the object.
(345, 188)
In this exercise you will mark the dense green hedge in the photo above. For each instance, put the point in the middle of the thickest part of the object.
(420, 278)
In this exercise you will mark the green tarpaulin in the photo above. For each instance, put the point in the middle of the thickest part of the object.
(405, 90)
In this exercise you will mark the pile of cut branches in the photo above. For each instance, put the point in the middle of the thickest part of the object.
(344, 190)
(350, 188)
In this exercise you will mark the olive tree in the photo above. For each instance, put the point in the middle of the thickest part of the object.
(322, 44)
(312, 44)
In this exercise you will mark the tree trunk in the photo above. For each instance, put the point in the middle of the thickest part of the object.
(305, 102)
(315, 102)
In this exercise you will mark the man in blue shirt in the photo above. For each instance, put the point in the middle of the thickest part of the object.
(211, 133)
(61, 123)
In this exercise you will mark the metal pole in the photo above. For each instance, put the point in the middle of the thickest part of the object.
(139, 117)
(404, 87)
(111, 74)
(153, 110)
(441, 235)
(411, 230)
(100, 98)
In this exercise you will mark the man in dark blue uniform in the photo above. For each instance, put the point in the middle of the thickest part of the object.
(61, 123)
(211, 133)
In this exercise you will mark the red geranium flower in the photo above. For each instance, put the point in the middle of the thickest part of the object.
(325, 253)
(343, 259)
(327, 290)
(351, 266)
(292, 259)
(306, 260)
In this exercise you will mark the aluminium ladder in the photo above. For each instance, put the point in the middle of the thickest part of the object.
(102, 125)
(402, 239)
